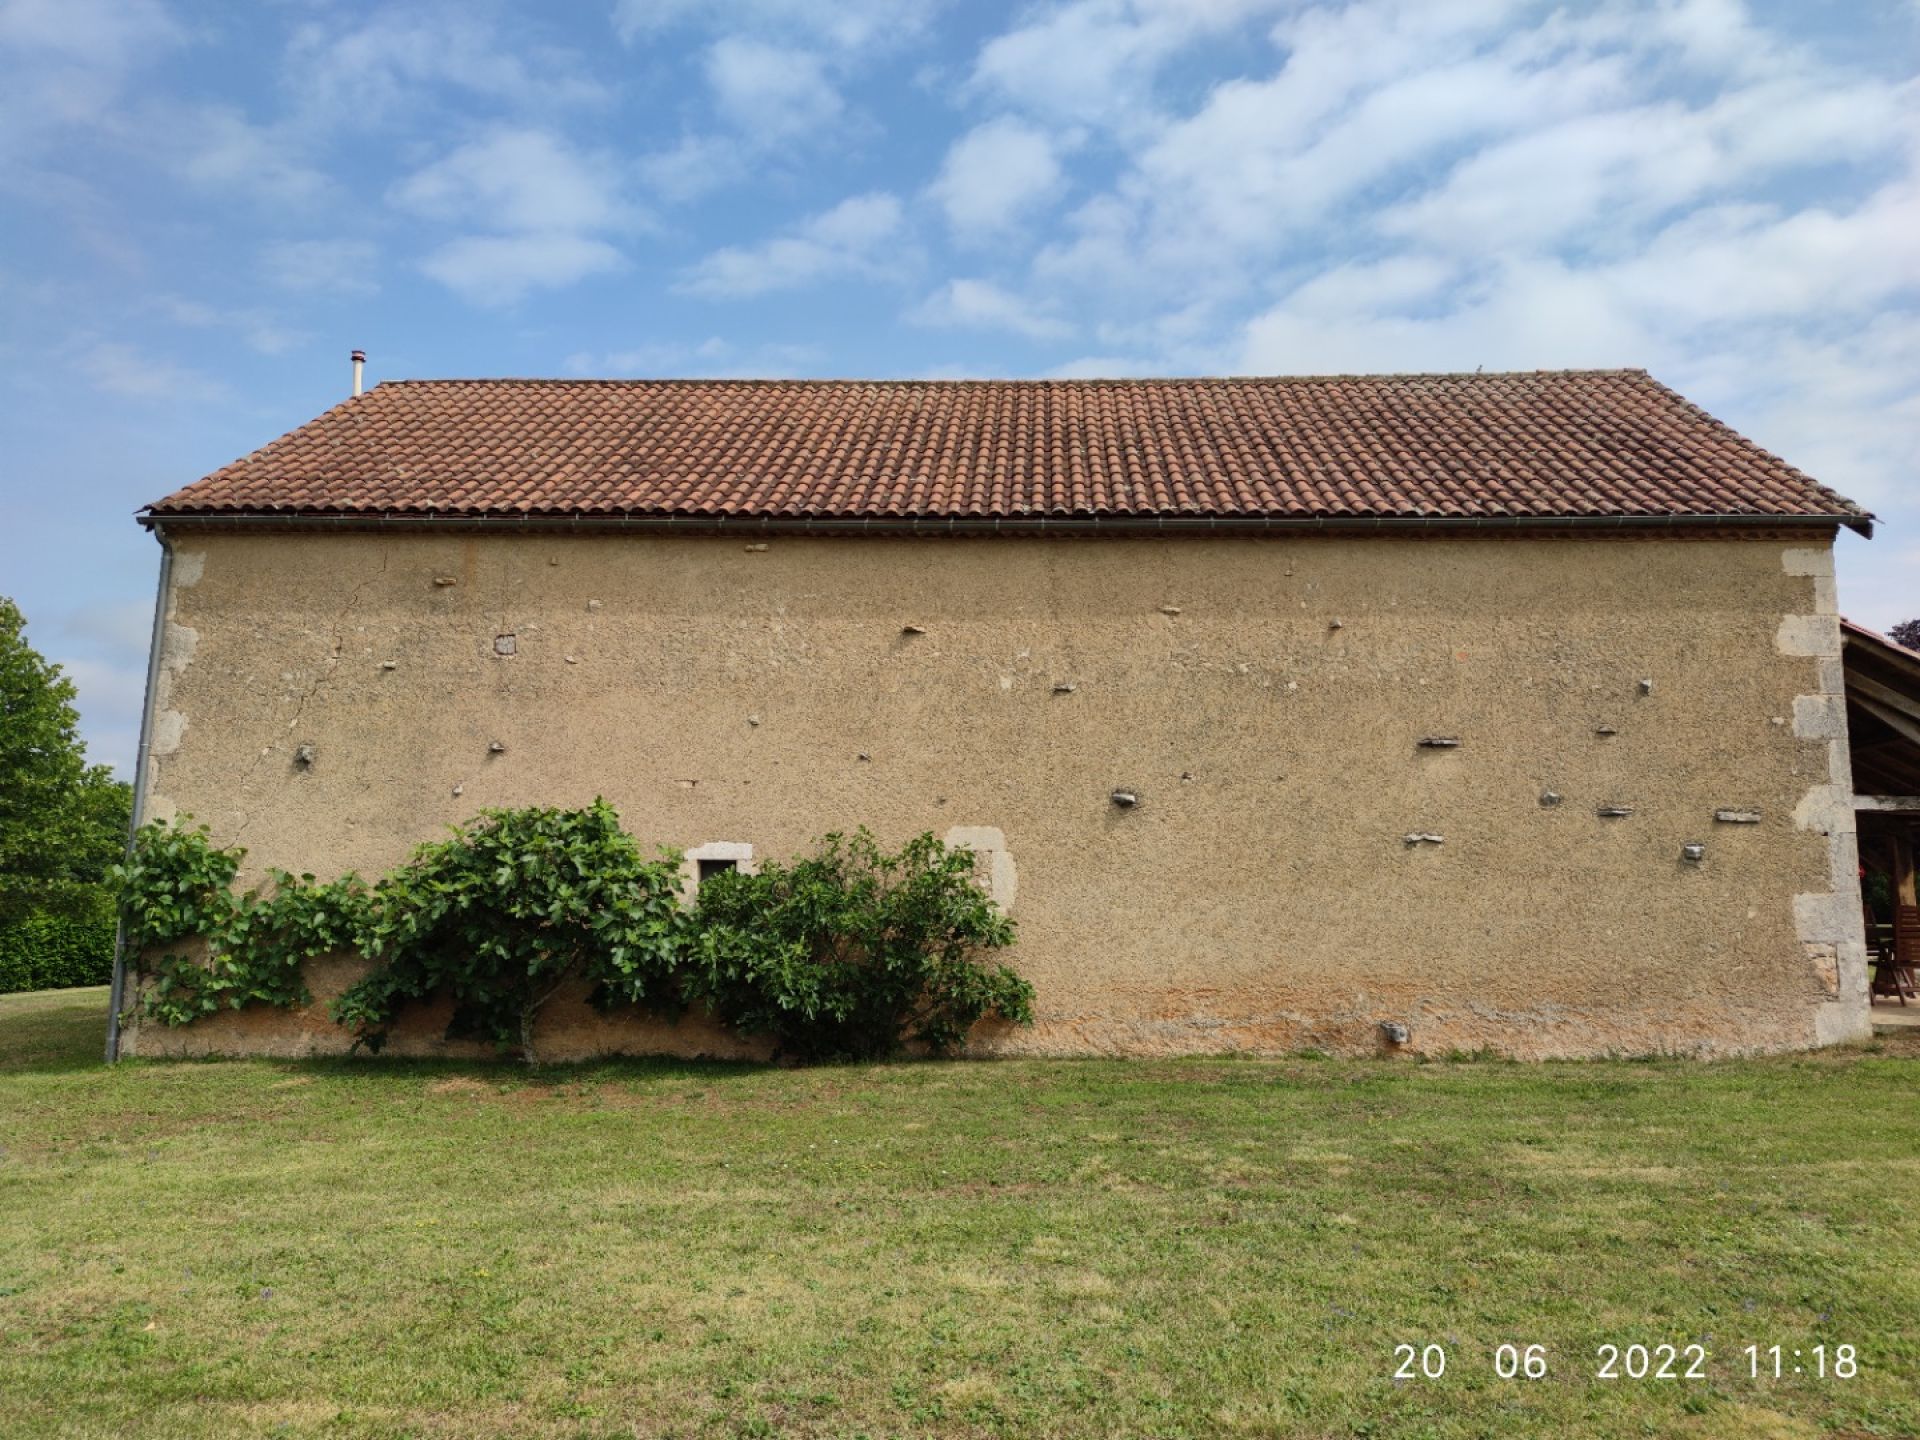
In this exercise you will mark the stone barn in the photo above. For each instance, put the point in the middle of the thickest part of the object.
(1433, 712)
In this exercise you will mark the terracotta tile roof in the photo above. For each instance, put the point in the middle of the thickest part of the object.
(1546, 445)
(1853, 629)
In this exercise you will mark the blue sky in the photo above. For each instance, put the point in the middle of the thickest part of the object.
(206, 206)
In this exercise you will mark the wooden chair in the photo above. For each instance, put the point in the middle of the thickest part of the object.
(1895, 974)
(1879, 941)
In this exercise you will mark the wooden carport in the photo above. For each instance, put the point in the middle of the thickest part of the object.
(1883, 729)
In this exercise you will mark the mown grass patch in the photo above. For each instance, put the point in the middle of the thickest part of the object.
(1015, 1248)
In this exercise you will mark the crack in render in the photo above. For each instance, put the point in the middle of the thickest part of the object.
(332, 664)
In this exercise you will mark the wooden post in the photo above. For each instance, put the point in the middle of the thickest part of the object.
(1903, 878)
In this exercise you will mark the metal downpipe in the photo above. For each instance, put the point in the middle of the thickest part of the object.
(141, 770)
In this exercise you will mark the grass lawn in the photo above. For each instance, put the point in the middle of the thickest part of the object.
(1124, 1249)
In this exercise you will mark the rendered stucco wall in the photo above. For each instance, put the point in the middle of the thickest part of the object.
(1265, 699)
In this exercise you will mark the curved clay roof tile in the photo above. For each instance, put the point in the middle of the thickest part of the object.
(1540, 444)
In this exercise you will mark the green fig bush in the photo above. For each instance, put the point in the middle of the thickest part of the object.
(851, 952)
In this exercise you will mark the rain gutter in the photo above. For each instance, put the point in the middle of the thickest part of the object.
(1019, 525)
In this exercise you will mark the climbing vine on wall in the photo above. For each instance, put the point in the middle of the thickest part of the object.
(176, 889)
(849, 952)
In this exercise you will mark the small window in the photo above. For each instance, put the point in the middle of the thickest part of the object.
(702, 862)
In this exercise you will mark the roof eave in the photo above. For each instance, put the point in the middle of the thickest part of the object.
(981, 525)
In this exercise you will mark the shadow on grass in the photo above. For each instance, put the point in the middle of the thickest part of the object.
(48, 1030)
(51, 1031)
(503, 1072)
(54, 1031)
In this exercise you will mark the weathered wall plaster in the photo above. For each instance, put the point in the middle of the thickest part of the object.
(1260, 895)
(177, 645)
(989, 842)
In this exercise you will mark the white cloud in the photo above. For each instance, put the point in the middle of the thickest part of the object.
(1109, 367)
(124, 626)
(501, 269)
(713, 357)
(1619, 167)
(1539, 128)
(1097, 60)
(848, 26)
(1716, 34)
(1361, 287)
(1845, 408)
(1742, 262)
(259, 330)
(1279, 158)
(326, 267)
(770, 98)
(67, 69)
(981, 305)
(218, 148)
(770, 91)
(695, 166)
(546, 210)
(101, 646)
(1365, 97)
(776, 72)
(517, 179)
(359, 75)
(995, 175)
(112, 33)
(1527, 315)
(118, 368)
(857, 237)
(110, 696)
(1685, 294)
(1876, 580)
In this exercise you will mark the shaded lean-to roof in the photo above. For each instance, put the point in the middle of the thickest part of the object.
(1883, 711)
(1546, 445)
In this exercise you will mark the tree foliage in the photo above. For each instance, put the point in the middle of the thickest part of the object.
(63, 822)
(1906, 633)
(55, 951)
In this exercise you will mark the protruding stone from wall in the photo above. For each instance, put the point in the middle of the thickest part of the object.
(1825, 962)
